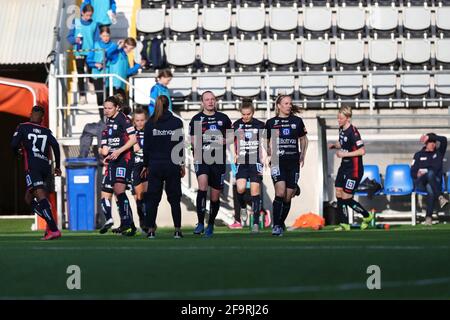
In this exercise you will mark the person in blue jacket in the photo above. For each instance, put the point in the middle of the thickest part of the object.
(117, 55)
(104, 11)
(82, 35)
(160, 88)
(99, 64)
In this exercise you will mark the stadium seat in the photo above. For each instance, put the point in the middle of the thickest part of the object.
(416, 52)
(180, 53)
(383, 20)
(216, 84)
(442, 20)
(245, 86)
(214, 53)
(383, 52)
(282, 52)
(313, 86)
(250, 52)
(371, 172)
(281, 84)
(415, 84)
(316, 53)
(442, 84)
(350, 52)
(150, 20)
(348, 85)
(180, 87)
(350, 20)
(317, 20)
(283, 18)
(183, 20)
(250, 19)
(442, 47)
(398, 182)
(384, 84)
(216, 20)
(416, 20)
(142, 92)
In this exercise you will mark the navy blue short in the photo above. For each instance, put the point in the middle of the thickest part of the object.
(252, 172)
(119, 171)
(215, 173)
(37, 178)
(136, 174)
(164, 175)
(289, 172)
(346, 180)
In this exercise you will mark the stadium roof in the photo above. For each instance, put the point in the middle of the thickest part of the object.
(27, 30)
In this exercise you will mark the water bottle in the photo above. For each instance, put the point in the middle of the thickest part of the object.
(79, 45)
(373, 222)
(251, 221)
(261, 220)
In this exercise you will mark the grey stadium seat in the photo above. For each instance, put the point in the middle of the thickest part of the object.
(383, 51)
(279, 84)
(249, 52)
(351, 18)
(313, 85)
(180, 87)
(250, 19)
(180, 53)
(216, 19)
(316, 52)
(248, 86)
(283, 18)
(443, 50)
(317, 19)
(383, 18)
(415, 84)
(442, 18)
(416, 51)
(416, 18)
(348, 85)
(442, 84)
(183, 19)
(214, 53)
(282, 52)
(349, 52)
(150, 20)
(383, 85)
(216, 84)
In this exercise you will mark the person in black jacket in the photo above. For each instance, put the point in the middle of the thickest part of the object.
(426, 170)
(163, 163)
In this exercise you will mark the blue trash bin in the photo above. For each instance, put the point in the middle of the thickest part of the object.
(81, 193)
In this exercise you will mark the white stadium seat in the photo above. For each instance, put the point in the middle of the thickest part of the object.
(383, 18)
(247, 86)
(142, 92)
(416, 18)
(383, 85)
(281, 85)
(214, 53)
(383, 51)
(443, 50)
(416, 50)
(316, 51)
(180, 53)
(216, 19)
(183, 19)
(351, 18)
(216, 84)
(283, 18)
(317, 18)
(442, 18)
(180, 87)
(442, 83)
(313, 85)
(249, 52)
(415, 84)
(150, 20)
(250, 19)
(348, 85)
(349, 51)
(282, 52)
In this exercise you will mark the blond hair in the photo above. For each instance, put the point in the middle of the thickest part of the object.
(346, 111)
(294, 109)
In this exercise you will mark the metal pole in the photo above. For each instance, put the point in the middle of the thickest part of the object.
(371, 104)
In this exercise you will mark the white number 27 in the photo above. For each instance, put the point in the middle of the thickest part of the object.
(34, 137)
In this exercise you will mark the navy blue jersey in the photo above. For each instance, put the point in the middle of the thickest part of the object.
(213, 133)
(35, 142)
(287, 131)
(139, 155)
(161, 138)
(350, 140)
(247, 140)
(430, 160)
(117, 133)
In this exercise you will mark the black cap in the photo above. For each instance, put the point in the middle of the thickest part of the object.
(38, 109)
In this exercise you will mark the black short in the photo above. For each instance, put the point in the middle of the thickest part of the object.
(136, 174)
(119, 171)
(253, 172)
(37, 178)
(288, 172)
(346, 180)
(106, 182)
(215, 173)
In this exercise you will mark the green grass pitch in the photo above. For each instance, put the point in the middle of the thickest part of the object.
(414, 263)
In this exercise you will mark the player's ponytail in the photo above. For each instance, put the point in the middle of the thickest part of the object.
(161, 105)
(294, 108)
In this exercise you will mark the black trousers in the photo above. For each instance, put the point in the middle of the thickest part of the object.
(430, 183)
(80, 62)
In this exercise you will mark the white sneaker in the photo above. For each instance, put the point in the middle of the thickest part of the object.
(91, 87)
(255, 228)
(442, 201)
(428, 221)
(244, 215)
(82, 100)
(277, 231)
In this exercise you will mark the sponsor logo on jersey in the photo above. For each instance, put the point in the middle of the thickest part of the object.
(286, 132)
(434, 156)
(130, 129)
(110, 131)
(115, 127)
(220, 123)
(359, 143)
(293, 126)
(248, 135)
(213, 127)
(157, 132)
(345, 139)
(423, 158)
(350, 184)
(120, 172)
